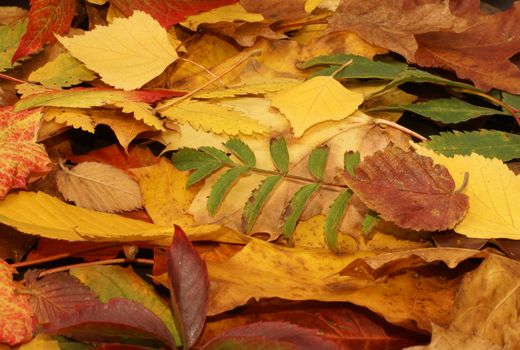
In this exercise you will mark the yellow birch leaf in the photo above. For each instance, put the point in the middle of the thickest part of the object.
(141, 111)
(63, 71)
(74, 117)
(214, 118)
(229, 13)
(493, 191)
(256, 88)
(46, 216)
(127, 53)
(317, 100)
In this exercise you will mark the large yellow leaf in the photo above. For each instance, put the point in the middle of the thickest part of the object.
(46, 216)
(493, 191)
(127, 53)
(314, 101)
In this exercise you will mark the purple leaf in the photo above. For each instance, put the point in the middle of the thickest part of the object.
(272, 335)
(189, 284)
(118, 321)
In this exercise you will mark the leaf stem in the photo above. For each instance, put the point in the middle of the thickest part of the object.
(400, 127)
(191, 93)
(10, 78)
(348, 63)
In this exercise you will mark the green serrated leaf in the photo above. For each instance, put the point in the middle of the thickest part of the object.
(217, 154)
(279, 154)
(360, 67)
(189, 159)
(317, 161)
(257, 200)
(10, 36)
(202, 172)
(489, 143)
(413, 75)
(333, 219)
(240, 149)
(512, 100)
(221, 187)
(295, 208)
(370, 221)
(351, 161)
(446, 110)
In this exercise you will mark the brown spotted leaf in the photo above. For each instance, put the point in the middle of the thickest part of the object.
(409, 190)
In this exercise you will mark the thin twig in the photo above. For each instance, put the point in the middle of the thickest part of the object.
(348, 63)
(10, 78)
(203, 68)
(400, 127)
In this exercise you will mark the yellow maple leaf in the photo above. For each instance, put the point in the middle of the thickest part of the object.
(317, 100)
(493, 191)
(46, 216)
(127, 53)
(229, 13)
(215, 118)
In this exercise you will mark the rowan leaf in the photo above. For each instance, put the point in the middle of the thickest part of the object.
(240, 149)
(109, 282)
(409, 190)
(20, 155)
(294, 210)
(318, 161)
(314, 101)
(46, 19)
(127, 53)
(489, 143)
(167, 12)
(215, 118)
(257, 201)
(493, 191)
(45, 216)
(10, 36)
(100, 187)
(279, 154)
(189, 287)
(333, 219)
(370, 221)
(15, 311)
(63, 71)
(350, 161)
(221, 187)
(217, 154)
(189, 159)
(414, 75)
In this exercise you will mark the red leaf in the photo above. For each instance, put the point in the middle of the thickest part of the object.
(56, 295)
(119, 320)
(169, 12)
(20, 155)
(188, 276)
(409, 190)
(46, 18)
(286, 335)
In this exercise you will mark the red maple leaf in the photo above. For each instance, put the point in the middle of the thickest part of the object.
(46, 18)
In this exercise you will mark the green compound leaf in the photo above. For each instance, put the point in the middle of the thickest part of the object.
(317, 162)
(369, 222)
(446, 110)
(413, 75)
(217, 154)
(257, 200)
(240, 149)
(295, 208)
(279, 154)
(221, 187)
(351, 161)
(202, 172)
(512, 100)
(190, 158)
(489, 143)
(333, 219)
(10, 36)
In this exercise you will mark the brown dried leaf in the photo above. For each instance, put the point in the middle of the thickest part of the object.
(276, 10)
(409, 190)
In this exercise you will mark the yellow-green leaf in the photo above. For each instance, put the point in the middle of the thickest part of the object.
(127, 53)
(314, 101)
(256, 88)
(229, 13)
(63, 71)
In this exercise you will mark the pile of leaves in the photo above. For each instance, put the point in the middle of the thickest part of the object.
(297, 174)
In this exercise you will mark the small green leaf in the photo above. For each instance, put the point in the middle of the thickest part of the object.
(221, 187)
(279, 154)
(489, 143)
(446, 110)
(351, 161)
(257, 200)
(295, 208)
(242, 151)
(333, 219)
(217, 154)
(370, 221)
(189, 159)
(413, 75)
(203, 172)
(317, 161)
(512, 100)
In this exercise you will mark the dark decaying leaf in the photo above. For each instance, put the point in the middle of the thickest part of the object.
(271, 335)
(118, 321)
(58, 295)
(409, 190)
(189, 283)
